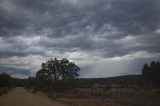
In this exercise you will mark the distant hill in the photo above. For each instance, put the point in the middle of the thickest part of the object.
(123, 80)
(126, 80)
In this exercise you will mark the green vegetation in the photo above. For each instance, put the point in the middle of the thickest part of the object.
(122, 96)
(151, 74)
(5, 83)
(58, 79)
(124, 90)
(57, 75)
(5, 80)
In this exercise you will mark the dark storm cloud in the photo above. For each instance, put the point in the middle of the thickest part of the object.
(11, 21)
(56, 19)
(38, 16)
(12, 71)
(133, 17)
(20, 53)
(104, 28)
(11, 53)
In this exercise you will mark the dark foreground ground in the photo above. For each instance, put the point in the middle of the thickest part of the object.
(21, 97)
(114, 97)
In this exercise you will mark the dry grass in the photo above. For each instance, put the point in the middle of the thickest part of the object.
(123, 96)
(88, 102)
(83, 97)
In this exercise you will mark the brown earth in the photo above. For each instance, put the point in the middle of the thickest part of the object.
(89, 102)
(21, 97)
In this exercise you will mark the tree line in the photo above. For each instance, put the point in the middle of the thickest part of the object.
(5, 80)
(151, 74)
(61, 74)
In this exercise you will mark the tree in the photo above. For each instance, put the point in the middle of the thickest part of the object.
(56, 73)
(5, 80)
(145, 69)
(29, 83)
(151, 73)
(68, 70)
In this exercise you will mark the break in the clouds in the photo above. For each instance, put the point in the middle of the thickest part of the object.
(104, 37)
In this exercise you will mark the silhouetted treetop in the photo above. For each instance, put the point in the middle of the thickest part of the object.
(151, 73)
(55, 69)
(5, 80)
(55, 72)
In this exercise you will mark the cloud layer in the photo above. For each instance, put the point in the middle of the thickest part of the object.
(97, 35)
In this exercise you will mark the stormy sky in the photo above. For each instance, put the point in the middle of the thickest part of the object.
(103, 37)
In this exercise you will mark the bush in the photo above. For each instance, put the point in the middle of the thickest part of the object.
(3, 90)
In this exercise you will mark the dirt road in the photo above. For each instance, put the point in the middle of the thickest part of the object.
(21, 97)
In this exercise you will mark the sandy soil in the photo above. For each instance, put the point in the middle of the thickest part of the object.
(21, 97)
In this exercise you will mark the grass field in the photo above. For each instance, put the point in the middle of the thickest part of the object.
(121, 96)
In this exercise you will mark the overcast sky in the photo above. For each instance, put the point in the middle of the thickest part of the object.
(103, 37)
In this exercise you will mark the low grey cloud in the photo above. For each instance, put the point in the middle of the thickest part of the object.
(87, 32)
(14, 71)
